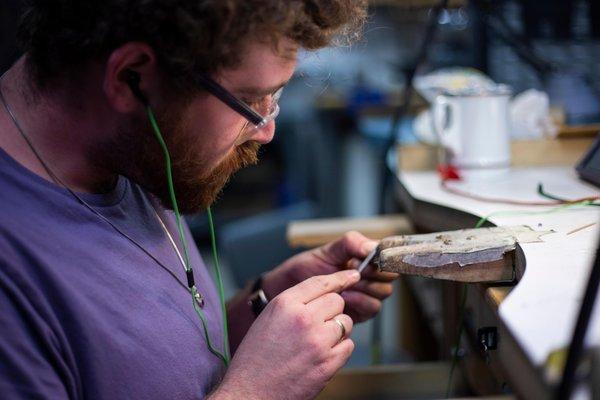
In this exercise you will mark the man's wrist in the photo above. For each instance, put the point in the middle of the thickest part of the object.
(275, 282)
(230, 389)
(221, 393)
(267, 285)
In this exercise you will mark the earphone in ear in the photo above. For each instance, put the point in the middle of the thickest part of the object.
(133, 81)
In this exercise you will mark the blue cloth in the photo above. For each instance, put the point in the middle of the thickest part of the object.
(84, 313)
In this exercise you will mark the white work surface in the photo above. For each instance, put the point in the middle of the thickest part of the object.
(542, 309)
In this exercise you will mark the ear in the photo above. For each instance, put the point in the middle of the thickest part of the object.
(131, 57)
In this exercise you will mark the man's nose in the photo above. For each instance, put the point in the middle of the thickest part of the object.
(265, 134)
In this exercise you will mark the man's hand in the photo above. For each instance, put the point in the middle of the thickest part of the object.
(295, 346)
(363, 300)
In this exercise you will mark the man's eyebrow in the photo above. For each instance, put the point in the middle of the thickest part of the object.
(259, 91)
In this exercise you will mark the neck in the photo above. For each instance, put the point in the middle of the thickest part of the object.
(63, 134)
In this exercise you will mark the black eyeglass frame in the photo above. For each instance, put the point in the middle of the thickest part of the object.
(230, 100)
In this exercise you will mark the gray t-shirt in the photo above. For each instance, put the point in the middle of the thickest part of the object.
(84, 313)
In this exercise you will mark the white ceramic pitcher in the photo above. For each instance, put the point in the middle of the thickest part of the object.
(473, 127)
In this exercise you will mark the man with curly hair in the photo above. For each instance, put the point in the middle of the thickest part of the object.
(93, 300)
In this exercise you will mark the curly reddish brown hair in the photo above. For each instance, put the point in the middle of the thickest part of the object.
(60, 37)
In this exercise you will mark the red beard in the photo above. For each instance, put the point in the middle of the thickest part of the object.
(136, 153)
(195, 194)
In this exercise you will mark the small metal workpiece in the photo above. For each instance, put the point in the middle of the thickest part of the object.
(367, 260)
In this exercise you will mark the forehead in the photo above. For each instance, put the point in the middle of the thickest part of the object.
(263, 64)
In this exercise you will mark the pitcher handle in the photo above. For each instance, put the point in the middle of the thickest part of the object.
(442, 121)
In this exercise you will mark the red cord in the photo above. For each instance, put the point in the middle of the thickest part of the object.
(448, 172)
(463, 193)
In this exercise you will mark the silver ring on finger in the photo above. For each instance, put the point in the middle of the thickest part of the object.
(343, 328)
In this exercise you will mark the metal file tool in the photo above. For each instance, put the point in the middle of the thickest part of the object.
(367, 260)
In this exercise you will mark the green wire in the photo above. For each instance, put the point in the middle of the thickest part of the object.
(543, 193)
(168, 167)
(211, 348)
(484, 219)
(479, 224)
(213, 242)
(193, 290)
(461, 316)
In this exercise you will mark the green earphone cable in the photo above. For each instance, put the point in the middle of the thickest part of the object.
(223, 357)
(213, 242)
(167, 156)
(193, 290)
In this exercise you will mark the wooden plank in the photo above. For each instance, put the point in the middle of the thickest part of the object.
(544, 152)
(549, 152)
(500, 270)
(466, 255)
(316, 232)
(569, 131)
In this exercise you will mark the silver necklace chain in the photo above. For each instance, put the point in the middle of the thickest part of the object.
(199, 298)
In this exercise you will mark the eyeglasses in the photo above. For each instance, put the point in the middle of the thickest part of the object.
(269, 107)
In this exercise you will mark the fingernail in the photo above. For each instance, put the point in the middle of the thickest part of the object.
(369, 246)
(353, 275)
